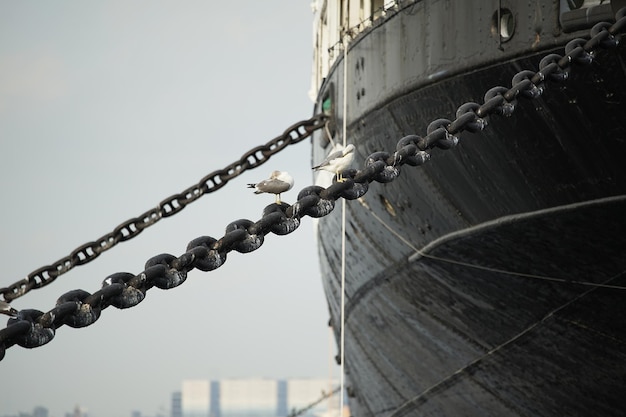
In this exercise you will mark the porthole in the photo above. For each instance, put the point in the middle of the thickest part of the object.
(503, 24)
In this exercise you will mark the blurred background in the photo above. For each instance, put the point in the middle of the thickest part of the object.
(107, 108)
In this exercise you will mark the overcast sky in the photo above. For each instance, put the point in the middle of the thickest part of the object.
(107, 108)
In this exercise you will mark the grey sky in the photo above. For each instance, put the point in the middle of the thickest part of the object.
(107, 108)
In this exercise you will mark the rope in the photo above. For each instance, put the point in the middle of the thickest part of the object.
(407, 406)
(422, 253)
(303, 410)
(343, 235)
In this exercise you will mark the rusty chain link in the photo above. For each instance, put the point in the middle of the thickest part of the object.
(168, 207)
(78, 308)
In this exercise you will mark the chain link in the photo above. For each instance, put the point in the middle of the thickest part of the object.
(31, 328)
(168, 207)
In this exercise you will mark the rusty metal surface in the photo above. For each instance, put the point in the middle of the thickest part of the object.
(428, 337)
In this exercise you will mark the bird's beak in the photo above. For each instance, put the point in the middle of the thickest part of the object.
(6, 309)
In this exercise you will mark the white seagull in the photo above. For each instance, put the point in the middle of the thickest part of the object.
(338, 160)
(277, 183)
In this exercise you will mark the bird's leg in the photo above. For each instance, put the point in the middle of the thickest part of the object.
(278, 199)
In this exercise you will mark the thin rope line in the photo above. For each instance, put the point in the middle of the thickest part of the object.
(330, 137)
(330, 367)
(499, 347)
(343, 232)
(523, 274)
(486, 268)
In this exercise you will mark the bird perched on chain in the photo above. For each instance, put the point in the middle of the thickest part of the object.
(278, 182)
(338, 160)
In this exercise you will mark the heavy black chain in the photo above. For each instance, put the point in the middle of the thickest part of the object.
(78, 308)
(168, 207)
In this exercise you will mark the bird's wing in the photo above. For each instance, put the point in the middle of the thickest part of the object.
(273, 186)
(330, 158)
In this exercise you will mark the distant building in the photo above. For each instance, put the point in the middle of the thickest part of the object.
(215, 409)
(248, 397)
(177, 405)
(282, 407)
(78, 412)
(40, 412)
(195, 399)
(37, 412)
(253, 397)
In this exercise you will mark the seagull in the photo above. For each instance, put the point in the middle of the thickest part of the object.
(337, 161)
(277, 183)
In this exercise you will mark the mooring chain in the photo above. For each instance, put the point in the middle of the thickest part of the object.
(78, 308)
(168, 207)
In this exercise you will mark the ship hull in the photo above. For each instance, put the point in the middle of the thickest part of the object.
(490, 280)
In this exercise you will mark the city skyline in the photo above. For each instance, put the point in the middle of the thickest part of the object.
(258, 397)
(232, 397)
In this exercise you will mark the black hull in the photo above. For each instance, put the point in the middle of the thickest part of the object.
(486, 282)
